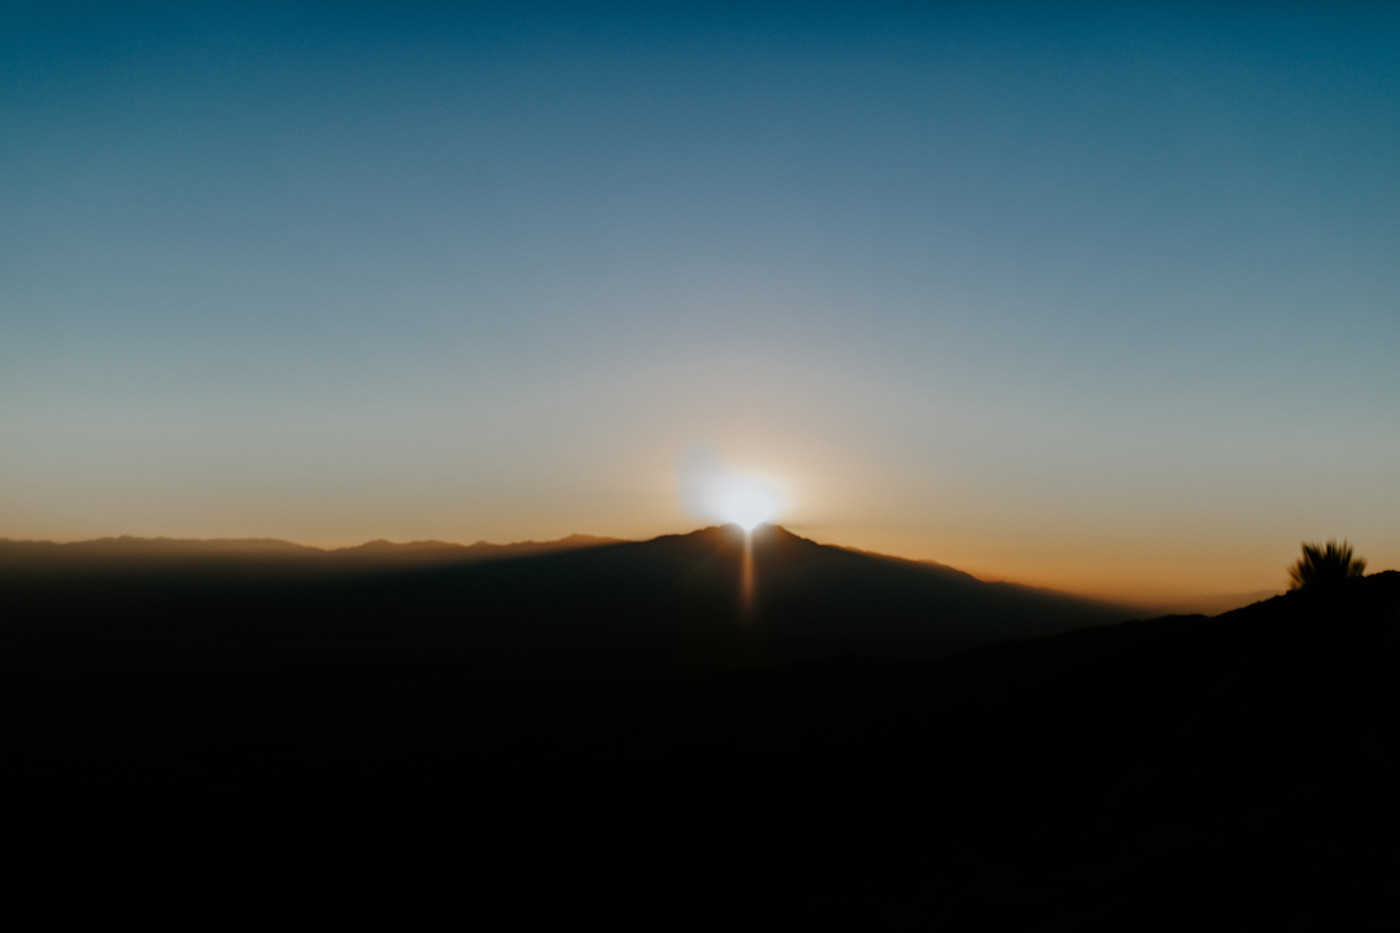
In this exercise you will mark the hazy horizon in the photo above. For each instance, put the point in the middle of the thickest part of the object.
(1102, 300)
(1170, 601)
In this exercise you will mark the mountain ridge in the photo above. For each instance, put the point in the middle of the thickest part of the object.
(33, 555)
(19, 554)
(677, 601)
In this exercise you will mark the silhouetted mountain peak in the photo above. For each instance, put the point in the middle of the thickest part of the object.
(732, 534)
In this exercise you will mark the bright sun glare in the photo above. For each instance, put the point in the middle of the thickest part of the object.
(745, 501)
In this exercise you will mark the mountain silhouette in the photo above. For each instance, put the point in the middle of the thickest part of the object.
(188, 661)
(130, 554)
(816, 757)
(567, 610)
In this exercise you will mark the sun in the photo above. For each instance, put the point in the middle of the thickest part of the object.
(746, 501)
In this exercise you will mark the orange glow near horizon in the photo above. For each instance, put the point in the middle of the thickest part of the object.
(1153, 556)
(1142, 569)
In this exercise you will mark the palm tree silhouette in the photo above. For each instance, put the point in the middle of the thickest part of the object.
(1325, 565)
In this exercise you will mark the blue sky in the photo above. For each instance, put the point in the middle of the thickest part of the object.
(1086, 296)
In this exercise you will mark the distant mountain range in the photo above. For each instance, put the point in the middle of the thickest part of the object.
(28, 558)
(675, 602)
(130, 552)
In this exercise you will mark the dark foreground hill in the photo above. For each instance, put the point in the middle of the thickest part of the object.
(1228, 772)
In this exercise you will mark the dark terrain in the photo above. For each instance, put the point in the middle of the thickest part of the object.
(603, 733)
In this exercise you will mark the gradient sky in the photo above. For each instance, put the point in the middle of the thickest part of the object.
(1089, 297)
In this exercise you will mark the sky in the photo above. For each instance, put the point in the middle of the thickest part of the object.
(1084, 296)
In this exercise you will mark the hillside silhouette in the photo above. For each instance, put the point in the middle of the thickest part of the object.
(575, 610)
(877, 743)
